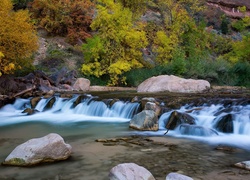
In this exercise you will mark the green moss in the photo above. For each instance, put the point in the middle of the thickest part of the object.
(15, 162)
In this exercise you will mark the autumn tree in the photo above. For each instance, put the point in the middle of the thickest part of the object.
(179, 24)
(116, 47)
(136, 6)
(18, 39)
(65, 17)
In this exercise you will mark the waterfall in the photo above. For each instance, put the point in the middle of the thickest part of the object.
(64, 110)
(222, 122)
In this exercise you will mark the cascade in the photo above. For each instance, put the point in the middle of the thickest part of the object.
(60, 110)
(214, 122)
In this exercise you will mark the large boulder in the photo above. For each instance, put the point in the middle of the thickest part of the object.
(173, 84)
(145, 120)
(177, 118)
(128, 171)
(82, 84)
(49, 148)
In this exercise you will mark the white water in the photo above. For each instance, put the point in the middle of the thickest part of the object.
(63, 111)
(90, 110)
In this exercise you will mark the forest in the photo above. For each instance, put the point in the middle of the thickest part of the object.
(124, 42)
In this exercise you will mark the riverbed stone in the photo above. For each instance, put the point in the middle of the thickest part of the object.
(177, 176)
(49, 148)
(128, 171)
(243, 165)
(145, 120)
(166, 83)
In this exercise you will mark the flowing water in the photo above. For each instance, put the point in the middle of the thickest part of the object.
(83, 122)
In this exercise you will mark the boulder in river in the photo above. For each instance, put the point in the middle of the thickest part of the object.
(127, 171)
(173, 84)
(224, 124)
(49, 148)
(145, 120)
(177, 118)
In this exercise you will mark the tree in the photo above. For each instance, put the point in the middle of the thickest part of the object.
(240, 51)
(136, 6)
(65, 17)
(20, 4)
(18, 39)
(116, 47)
(179, 25)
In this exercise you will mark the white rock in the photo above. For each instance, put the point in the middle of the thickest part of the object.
(45, 149)
(176, 176)
(243, 164)
(172, 84)
(130, 171)
(82, 84)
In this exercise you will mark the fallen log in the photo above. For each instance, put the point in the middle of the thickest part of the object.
(24, 91)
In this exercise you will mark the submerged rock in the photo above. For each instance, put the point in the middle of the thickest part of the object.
(194, 130)
(49, 148)
(173, 84)
(128, 171)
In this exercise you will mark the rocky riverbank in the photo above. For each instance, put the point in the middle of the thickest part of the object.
(160, 155)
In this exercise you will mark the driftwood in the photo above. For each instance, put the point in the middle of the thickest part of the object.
(24, 91)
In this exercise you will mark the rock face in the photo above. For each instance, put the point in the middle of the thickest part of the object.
(82, 84)
(173, 84)
(128, 171)
(49, 148)
(230, 7)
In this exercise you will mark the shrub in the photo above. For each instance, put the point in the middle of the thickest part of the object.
(64, 17)
(18, 39)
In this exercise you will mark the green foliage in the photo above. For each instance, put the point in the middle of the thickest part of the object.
(136, 6)
(195, 42)
(224, 25)
(137, 76)
(242, 71)
(21, 4)
(219, 45)
(116, 47)
(178, 64)
(180, 31)
(240, 51)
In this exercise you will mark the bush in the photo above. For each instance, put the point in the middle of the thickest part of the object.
(242, 71)
(18, 39)
(65, 18)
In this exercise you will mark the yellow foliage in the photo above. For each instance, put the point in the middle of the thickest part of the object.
(17, 36)
(116, 48)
